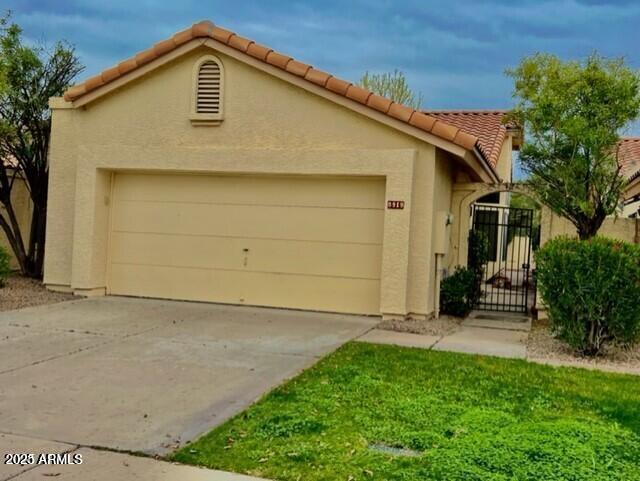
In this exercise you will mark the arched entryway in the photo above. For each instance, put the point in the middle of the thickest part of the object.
(487, 214)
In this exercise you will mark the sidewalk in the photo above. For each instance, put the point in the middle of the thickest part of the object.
(475, 336)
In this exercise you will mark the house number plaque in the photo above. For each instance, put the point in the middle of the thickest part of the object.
(395, 204)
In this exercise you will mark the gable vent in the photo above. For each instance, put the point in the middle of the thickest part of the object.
(208, 95)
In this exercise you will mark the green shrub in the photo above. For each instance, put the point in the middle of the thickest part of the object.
(5, 269)
(591, 290)
(457, 292)
(461, 291)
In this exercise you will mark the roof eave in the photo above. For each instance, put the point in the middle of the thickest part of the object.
(487, 171)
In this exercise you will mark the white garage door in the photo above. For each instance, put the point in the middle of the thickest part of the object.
(299, 242)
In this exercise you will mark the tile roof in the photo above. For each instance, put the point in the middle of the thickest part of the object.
(629, 157)
(487, 125)
(205, 29)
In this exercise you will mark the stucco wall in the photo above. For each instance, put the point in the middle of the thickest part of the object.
(270, 126)
(552, 226)
(504, 165)
(23, 207)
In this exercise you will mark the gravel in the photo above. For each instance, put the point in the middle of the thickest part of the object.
(20, 292)
(443, 326)
(543, 347)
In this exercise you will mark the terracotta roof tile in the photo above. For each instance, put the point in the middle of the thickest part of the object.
(629, 157)
(318, 77)
(357, 93)
(422, 121)
(379, 103)
(401, 112)
(455, 127)
(221, 34)
(297, 68)
(444, 130)
(94, 82)
(144, 57)
(239, 43)
(203, 29)
(487, 126)
(127, 66)
(259, 51)
(183, 37)
(278, 60)
(108, 75)
(338, 86)
(165, 46)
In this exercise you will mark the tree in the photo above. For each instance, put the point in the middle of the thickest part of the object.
(393, 86)
(29, 76)
(572, 113)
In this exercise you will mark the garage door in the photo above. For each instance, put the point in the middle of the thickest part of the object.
(298, 242)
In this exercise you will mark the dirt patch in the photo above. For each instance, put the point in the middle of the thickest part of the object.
(443, 326)
(22, 292)
(543, 347)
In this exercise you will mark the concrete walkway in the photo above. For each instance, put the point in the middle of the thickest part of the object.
(489, 337)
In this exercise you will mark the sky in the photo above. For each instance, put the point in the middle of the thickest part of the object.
(453, 52)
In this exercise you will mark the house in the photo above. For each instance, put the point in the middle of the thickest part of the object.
(629, 160)
(212, 168)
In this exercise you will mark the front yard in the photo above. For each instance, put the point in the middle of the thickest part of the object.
(388, 413)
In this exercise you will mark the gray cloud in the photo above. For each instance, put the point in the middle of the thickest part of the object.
(454, 51)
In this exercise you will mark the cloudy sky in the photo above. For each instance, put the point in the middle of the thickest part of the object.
(454, 52)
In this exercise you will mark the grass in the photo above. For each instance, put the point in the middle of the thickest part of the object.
(467, 417)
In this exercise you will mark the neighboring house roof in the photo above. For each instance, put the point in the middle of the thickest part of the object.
(205, 29)
(487, 125)
(629, 157)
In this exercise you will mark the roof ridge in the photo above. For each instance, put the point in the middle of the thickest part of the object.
(467, 111)
(206, 29)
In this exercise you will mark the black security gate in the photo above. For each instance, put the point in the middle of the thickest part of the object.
(508, 283)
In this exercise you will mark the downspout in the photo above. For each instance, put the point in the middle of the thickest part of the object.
(436, 294)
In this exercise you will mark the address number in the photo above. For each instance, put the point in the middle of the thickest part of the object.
(395, 204)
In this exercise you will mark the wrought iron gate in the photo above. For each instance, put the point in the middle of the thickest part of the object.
(507, 281)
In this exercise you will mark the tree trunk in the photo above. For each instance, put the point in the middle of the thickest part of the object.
(35, 256)
(589, 228)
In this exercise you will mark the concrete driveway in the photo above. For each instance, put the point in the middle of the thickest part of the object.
(147, 375)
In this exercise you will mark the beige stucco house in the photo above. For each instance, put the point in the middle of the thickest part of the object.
(212, 168)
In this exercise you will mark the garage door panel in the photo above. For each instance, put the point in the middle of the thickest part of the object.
(270, 222)
(301, 242)
(285, 190)
(276, 256)
(251, 288)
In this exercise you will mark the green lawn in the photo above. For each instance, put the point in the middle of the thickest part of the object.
(466, 417)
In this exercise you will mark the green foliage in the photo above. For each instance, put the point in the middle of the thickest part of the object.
(470, 418)
(29, 76)
(520, 201)
(392, 85)
(5, 268)
(478, 254)
(461, 291)
(572, 113)
(592, 291)
(457, 292)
